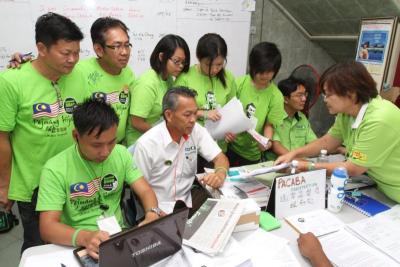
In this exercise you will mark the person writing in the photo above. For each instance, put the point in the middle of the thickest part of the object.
(366, 124)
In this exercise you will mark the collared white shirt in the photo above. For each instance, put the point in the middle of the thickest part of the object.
(360, 116)
(170, 167)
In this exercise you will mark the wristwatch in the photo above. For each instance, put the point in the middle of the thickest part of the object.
(156, 210)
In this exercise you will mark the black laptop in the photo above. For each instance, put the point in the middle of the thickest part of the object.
(141, 246)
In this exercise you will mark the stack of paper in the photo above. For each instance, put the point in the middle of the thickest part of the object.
(246, 188)
(210, 228)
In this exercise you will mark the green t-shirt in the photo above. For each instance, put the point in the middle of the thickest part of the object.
(294, 132)
(38, 128)
(113, 88)
(374, 144)
(78, 187)
(261, 105)
(146, 101)
(211, 93)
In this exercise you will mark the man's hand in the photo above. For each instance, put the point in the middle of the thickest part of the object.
(151, 216)
(4, 201)
(91, 241)
(215, 180)
(213, 115)
(311, 248)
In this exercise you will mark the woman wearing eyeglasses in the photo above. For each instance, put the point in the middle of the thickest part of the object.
(262, 101)
(214, 85)
(170, 57)
(368, 125)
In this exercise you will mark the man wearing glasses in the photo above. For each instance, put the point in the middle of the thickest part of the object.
(108, 77)
(295, 131)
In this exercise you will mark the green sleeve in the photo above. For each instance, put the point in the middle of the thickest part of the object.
(8, 106)
(370, 149)
(239, 85)
(310, 136)
(132, 172)
(52, 194)
(181, 80)
(232, 85)
(336, 130)
(143, 98)
(276, 112)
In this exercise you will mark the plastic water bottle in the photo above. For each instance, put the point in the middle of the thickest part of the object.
(323, 156)
(336, 191)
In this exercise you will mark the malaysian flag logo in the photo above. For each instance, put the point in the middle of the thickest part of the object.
(84, 189)
(110, 98)
(46, 110)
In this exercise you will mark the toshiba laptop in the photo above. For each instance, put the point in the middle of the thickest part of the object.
(140, 246)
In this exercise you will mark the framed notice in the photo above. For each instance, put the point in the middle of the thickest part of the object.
(375, 45)
(297, 193)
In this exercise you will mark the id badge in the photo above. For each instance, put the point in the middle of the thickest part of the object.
(109, 224)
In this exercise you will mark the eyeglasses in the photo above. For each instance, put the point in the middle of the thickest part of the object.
(177, 62)
(325, 96)
(301, 95)
(120, 47)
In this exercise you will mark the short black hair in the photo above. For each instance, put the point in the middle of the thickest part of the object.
(101, 25)
(210, 46)
(52, 27)
(167, 45)
(265, 56)
(170, 99)
(289, 85)
(94, 114)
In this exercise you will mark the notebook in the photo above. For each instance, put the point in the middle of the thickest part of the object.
(365, 204)
(141, 246)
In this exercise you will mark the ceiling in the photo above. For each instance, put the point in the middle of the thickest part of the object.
(334, 24)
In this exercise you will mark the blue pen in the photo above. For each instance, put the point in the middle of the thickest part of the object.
(22, 57)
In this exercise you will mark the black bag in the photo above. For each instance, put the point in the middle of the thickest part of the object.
(7, 221)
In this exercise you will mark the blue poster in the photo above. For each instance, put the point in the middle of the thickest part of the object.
(372, 46)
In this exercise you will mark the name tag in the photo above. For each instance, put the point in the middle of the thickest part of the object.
(109, 224)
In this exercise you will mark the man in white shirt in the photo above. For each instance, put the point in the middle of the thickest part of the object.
(167, 153)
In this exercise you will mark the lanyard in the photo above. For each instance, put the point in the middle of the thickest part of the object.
(89, 169)
(58, 94)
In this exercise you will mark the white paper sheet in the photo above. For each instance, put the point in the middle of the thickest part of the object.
(267, 249)
(345, 250)
(232, 120)
(319, 222)
(381, 231)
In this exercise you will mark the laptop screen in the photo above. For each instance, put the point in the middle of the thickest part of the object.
(147, 244)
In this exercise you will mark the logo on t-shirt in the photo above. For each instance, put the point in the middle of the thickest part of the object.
(69, 105)
(211, 101)
(109, 182)
(83, 189)
(99, 96)
(250, 110)
(46, 110)
(359, 155)
(123, 96)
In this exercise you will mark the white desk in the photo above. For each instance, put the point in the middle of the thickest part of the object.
(54, 255)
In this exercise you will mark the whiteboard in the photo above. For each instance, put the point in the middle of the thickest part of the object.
(148, 21)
